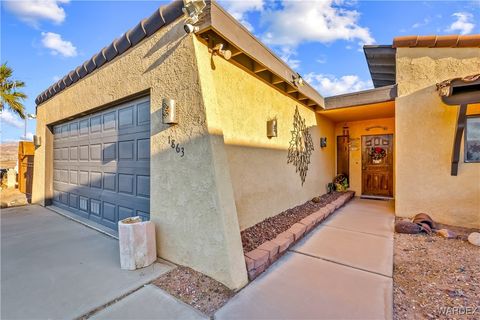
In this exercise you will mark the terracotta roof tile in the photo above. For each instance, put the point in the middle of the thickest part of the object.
(433, 41)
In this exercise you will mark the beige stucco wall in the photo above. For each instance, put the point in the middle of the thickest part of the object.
(196, 223)
(357, 129)
(262, 181)
(424, 137)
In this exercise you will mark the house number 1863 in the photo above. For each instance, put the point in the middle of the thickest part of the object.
(176, 146)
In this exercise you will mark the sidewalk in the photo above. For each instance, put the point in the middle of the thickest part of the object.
(342, 270)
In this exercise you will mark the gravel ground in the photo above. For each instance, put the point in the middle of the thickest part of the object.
(433, 275)
(269, 228)
(194, 288)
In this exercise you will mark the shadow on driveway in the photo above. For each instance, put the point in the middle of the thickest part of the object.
(52, 267)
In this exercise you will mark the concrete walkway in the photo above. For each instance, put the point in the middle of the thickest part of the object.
(55, 268)
(341, 270)
(150, 302)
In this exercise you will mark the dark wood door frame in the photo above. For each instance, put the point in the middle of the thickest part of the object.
(343, 155)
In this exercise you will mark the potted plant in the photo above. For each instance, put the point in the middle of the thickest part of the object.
(341, 182)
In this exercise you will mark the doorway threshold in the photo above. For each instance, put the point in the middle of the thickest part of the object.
(364, 196)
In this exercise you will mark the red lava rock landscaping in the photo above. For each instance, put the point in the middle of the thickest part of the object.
(266, 241)
(196, 289)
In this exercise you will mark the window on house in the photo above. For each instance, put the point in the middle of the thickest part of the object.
(472, 139)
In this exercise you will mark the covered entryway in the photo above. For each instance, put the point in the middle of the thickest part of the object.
(101, 167)
(365, 132)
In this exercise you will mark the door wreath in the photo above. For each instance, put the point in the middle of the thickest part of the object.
(377, 154)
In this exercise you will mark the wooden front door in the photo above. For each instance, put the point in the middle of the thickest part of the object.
(377, 165)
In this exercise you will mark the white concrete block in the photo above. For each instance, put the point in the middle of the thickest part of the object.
(11, 178)
(137, 243)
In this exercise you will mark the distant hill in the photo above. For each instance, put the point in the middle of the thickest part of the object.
(8, 155)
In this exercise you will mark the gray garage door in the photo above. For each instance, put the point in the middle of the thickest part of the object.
(102, 164)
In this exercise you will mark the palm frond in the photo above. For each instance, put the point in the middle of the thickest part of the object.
(8, 92)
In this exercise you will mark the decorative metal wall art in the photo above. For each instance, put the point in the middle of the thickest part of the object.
(301, 146)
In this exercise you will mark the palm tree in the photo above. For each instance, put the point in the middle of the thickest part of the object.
(8, 92)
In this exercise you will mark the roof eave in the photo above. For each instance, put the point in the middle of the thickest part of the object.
(245, 45)
(381, 64)
(366, 97)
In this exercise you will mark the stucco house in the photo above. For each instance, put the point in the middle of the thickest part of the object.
(170, 122)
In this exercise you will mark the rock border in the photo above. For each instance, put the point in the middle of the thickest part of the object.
(259, 259)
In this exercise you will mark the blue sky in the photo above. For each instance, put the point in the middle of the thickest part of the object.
(42, 40)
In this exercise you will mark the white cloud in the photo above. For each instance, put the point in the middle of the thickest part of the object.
(322, 59)
(57, 45)
(463, 24)
(7, 116)
(421, 24)
(32, 11)
(239, 8)
(329, 85)
(287, 54)
(322, 21)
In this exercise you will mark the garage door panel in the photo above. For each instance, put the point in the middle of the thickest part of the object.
(102, 163)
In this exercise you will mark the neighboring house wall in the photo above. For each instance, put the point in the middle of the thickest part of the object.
(196, 224)
(357, 129)
(424, 136)
(239, 106)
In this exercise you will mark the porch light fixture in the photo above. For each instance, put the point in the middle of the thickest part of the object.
(272, 128)
(297, 80)
(169, 111)
(323, 142)
(219, 50)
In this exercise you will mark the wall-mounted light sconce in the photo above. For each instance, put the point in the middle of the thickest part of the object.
(272, 128)
(169, 111)
(218, 49)
(346, 133)
(297, 80)
(323, 142)
(37, 141)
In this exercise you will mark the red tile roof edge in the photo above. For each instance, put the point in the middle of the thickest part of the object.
(433, 41)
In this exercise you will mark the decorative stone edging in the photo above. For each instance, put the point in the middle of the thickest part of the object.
(259, 259)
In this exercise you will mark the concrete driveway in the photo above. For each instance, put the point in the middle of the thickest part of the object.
(341, 270)
(52, 267)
